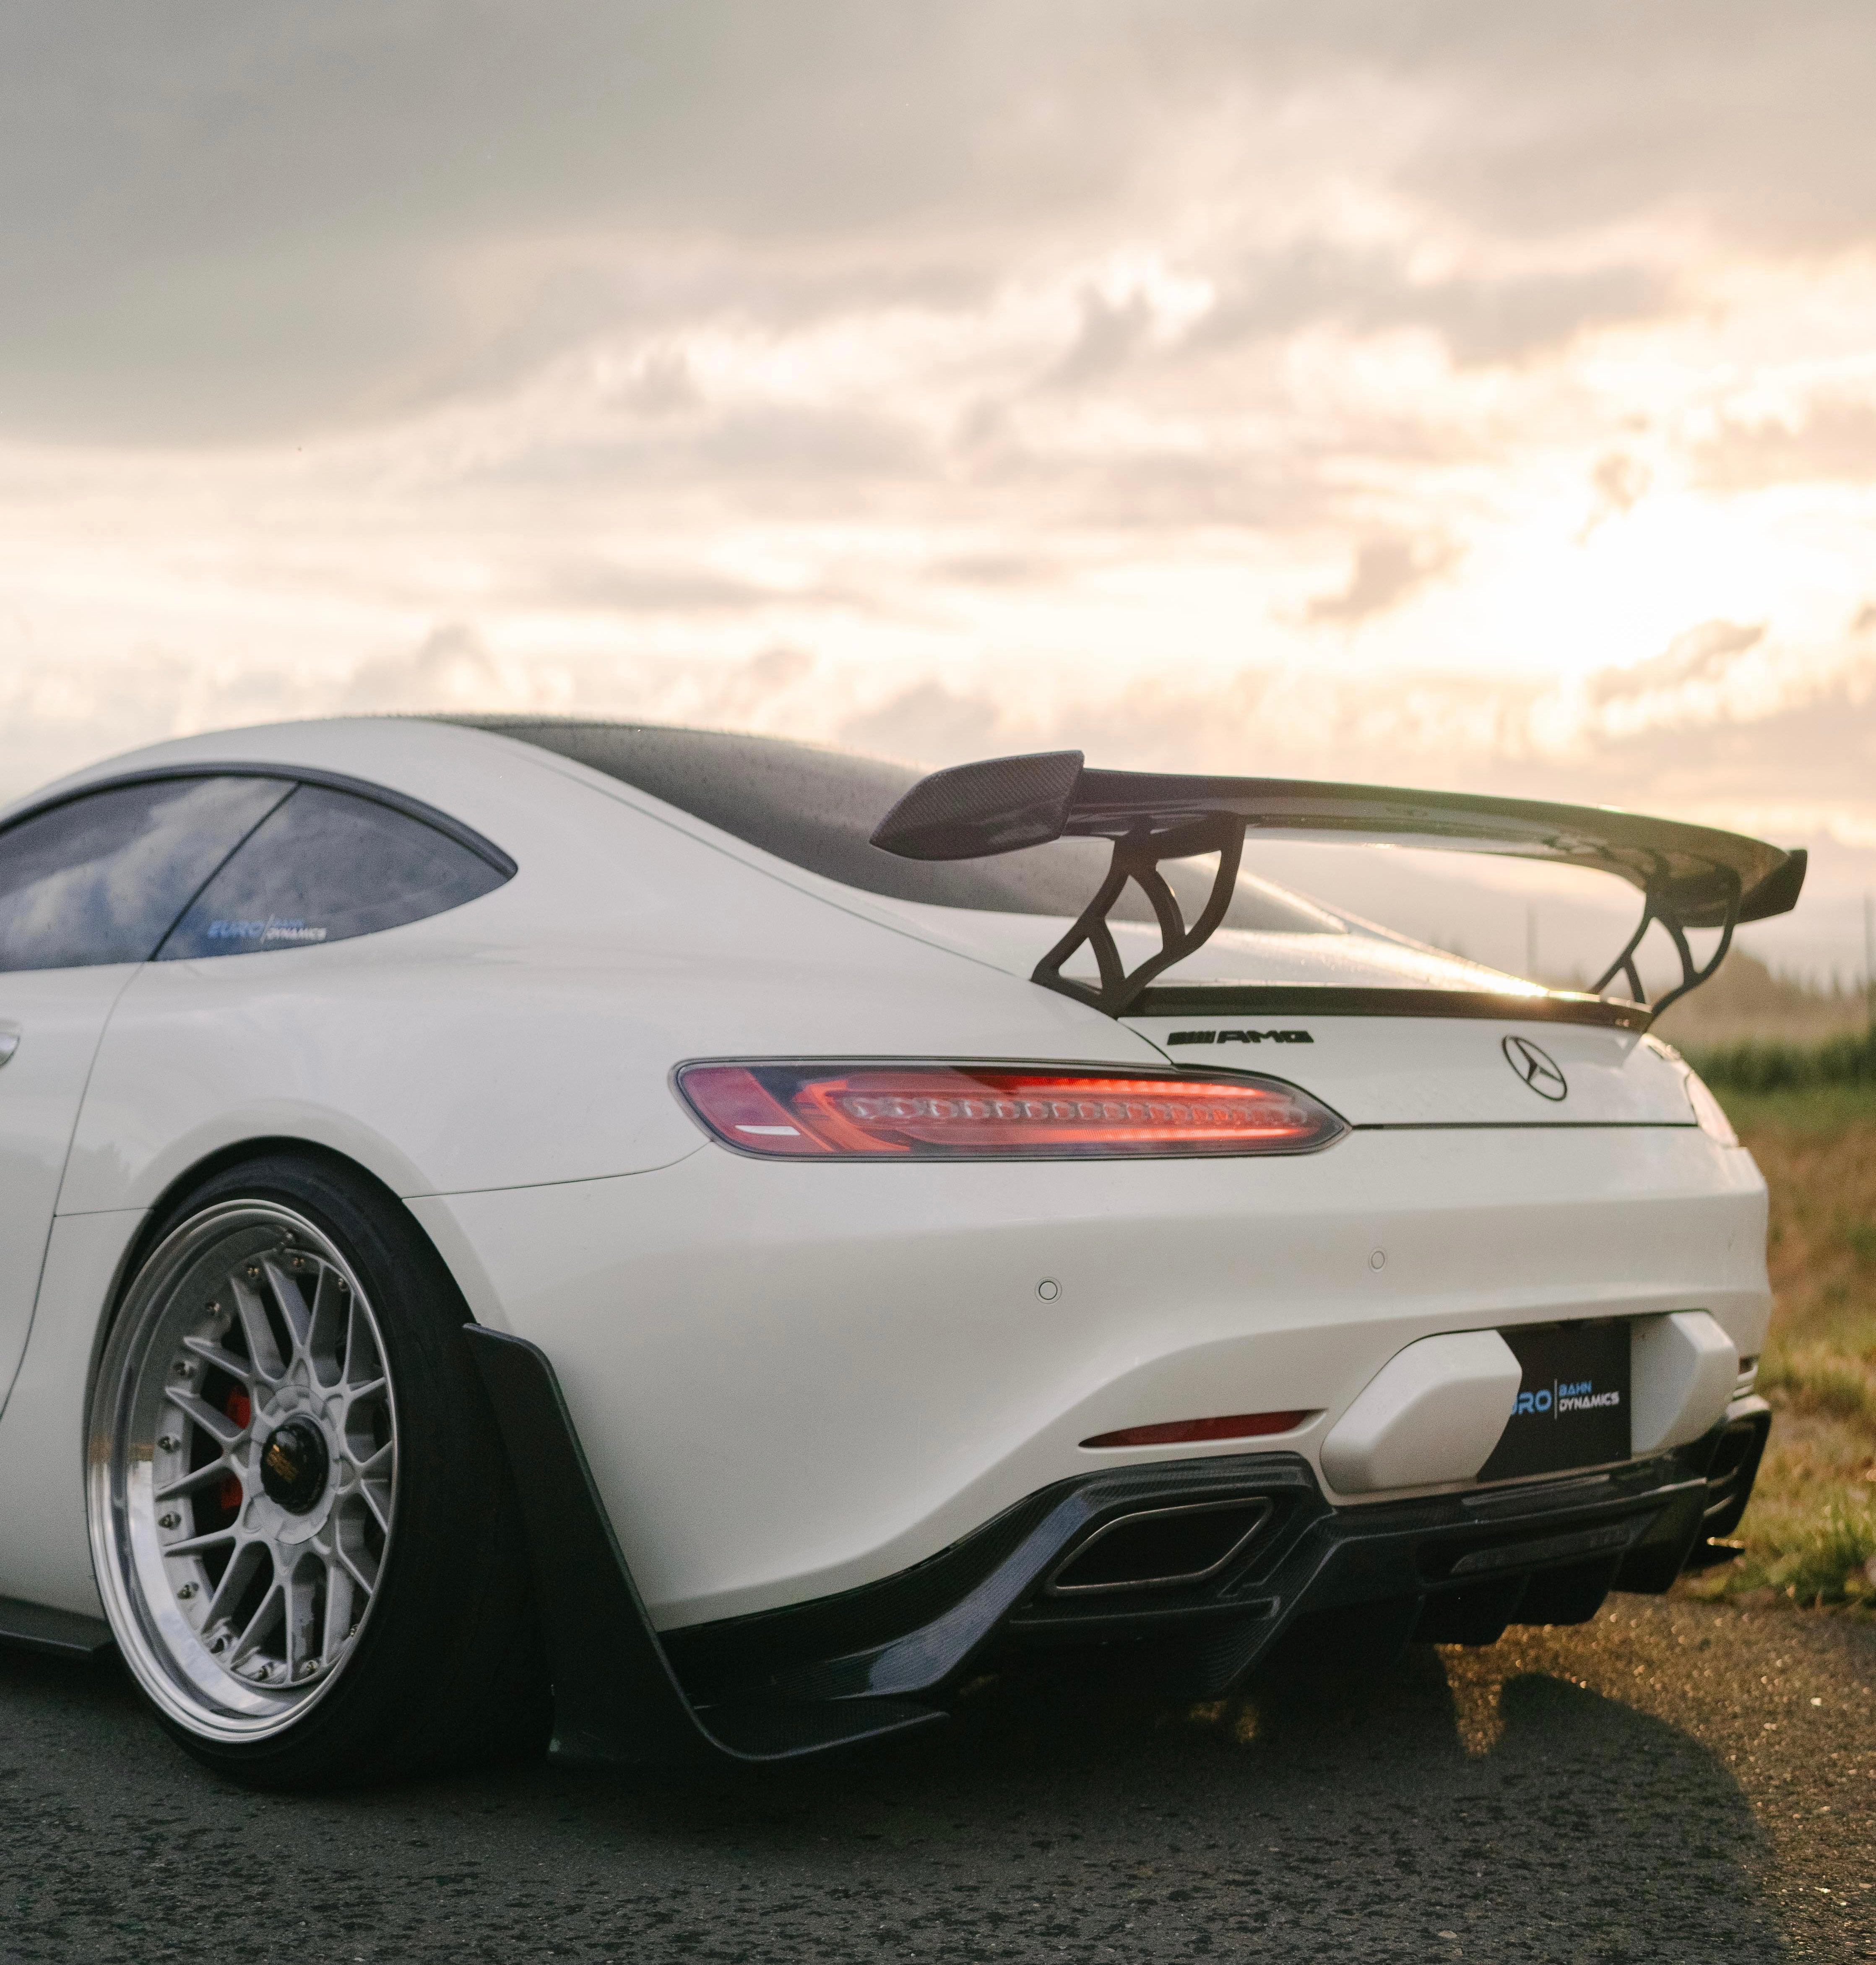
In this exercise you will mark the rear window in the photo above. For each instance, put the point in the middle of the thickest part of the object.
(326, 866)
(817, 808)
(98, 878)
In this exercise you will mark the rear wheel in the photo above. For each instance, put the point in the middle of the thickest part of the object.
(302, 1522)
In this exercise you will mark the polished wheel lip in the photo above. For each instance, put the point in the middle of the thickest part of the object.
(252, 1267)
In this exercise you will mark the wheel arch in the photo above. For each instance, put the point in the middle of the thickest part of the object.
(199, 1171)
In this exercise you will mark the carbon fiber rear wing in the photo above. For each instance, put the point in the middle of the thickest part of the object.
(1690, 876)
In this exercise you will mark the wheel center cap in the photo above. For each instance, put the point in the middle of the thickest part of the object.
(294, 1466)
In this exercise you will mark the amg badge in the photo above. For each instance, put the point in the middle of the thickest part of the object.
(1239, 1037)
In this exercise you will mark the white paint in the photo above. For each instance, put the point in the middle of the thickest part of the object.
(56, 1017)
(45, 1549)
(793, 1378)
(1432, 1414)
(1683, 1370)
(1439, 1071)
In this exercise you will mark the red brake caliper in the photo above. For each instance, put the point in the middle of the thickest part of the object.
(239, 1408)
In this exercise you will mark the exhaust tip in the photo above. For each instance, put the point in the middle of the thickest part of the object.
(1162, 1548)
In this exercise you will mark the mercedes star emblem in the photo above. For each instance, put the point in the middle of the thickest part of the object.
(1537, 1068)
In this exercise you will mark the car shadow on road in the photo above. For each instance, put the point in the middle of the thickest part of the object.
(1453, 1802)
(1477, 1805)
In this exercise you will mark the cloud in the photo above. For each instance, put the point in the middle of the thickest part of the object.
(1008, 569)
(799, 455)
(610, 587)
(1386, 571)
(450, 669)
(229, 225)
(928, 720)
(453, 667)
(1834, 440)
(660, 384)
(1112, 333)
(1620, 482)
(1481, 319)
(1705, 653)
(1750, 124)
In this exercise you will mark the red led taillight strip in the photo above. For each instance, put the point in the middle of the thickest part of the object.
(932, 1111)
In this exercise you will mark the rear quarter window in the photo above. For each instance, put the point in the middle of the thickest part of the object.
(328, 866)
(100, 878)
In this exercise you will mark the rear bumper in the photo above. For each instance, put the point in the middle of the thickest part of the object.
(887, 1657)
(794, 1382)
(1449, 1568)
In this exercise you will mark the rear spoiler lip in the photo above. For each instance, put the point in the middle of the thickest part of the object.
(1211, 1001)
(1002, 804)
(1690, 876)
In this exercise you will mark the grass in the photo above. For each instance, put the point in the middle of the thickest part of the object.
(1756, 1066)
(1835, 1110)
(1809, 1534)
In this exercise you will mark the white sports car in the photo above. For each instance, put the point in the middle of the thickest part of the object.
(700, 1244)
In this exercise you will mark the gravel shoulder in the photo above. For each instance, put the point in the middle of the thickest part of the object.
(1677, 1780)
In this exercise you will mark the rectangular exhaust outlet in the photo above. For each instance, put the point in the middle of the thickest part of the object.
(1162, 1548)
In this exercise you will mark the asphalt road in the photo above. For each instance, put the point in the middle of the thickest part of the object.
(1674, 1781)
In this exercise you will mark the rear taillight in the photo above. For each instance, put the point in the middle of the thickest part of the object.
(955, 1112)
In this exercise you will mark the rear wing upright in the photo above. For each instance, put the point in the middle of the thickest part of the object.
(1690, 876)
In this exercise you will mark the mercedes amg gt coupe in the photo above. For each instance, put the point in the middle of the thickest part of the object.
(695, 1245)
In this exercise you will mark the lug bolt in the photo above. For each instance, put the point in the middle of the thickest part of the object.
(168, 1442)
(253, 1271)
(186, 1591)
(219, 1644)
(168, 1521)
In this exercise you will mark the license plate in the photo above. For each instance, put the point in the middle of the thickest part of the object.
(1572, 1407)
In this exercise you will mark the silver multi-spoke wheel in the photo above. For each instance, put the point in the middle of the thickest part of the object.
(244, 1470)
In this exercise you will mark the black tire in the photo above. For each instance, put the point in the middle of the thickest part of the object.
(444, 1665)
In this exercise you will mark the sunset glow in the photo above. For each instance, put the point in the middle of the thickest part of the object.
(1481, 400)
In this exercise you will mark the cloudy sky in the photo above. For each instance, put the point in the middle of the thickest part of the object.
(1480, 396)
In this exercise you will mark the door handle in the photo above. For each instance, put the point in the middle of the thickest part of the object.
(9, 1042)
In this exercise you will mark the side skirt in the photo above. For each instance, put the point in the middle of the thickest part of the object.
(616, 1700)
(33, 1627)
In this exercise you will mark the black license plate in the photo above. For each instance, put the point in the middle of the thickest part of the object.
(1572, 1407)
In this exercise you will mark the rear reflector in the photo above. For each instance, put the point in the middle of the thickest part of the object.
(1238, 1426)
(952, 1111)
